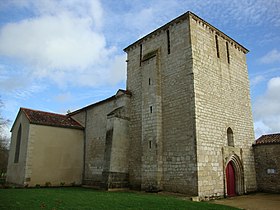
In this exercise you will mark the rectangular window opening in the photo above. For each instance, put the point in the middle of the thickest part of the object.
(228, 59)
(217, 46)
(140, 54)
(151, 109)
(168, 41)
(149, 81)
(18, 143)
(150, 144)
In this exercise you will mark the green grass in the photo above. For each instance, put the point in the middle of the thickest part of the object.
(80, 198)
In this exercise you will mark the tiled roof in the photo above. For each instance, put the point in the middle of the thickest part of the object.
(50, 119)
(268, 139)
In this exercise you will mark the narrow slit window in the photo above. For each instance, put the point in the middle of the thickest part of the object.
(230, 137)
(18, 145)
(168, 41)
(228, 59)
(149, 81)
(150, 144)
(151, 109)
(140, 54)
(217, 46)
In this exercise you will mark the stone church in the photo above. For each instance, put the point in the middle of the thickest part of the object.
(183, 124)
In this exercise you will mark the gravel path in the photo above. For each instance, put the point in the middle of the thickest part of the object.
(258, 201)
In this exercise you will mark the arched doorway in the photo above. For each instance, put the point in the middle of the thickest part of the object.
(234, 179)
(230, 177)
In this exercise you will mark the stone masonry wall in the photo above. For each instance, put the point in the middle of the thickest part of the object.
(222, 101)
(179, 153)
(95, 122)
(267, 162)
(115, 173)
(159, 75)
(151, 122)
(134, 85)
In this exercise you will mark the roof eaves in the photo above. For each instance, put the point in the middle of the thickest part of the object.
(266, 143)
(59, 126)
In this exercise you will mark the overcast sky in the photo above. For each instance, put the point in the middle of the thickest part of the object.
(59, 55)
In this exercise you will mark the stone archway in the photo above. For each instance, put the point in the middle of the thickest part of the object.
(234, 176)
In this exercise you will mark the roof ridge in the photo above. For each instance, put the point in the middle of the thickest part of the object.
(34, 110)
(271, 134)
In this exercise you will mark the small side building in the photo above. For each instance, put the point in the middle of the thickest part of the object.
(267, 162)
(46, 149)
(106, 141)
(88, 146)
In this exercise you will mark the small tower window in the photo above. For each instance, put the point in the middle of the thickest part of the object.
(168, 41)
(140, 54)
(217, 46)
(18, 145)
(150, 144)
(151, 109)
(149, 81)
(228, 60)
(230, 139)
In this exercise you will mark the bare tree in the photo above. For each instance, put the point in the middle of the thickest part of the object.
(4, 154)
(4, 151)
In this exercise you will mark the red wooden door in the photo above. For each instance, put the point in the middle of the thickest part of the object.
(230, 175)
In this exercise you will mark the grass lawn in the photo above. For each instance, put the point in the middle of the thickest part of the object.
(81, 198)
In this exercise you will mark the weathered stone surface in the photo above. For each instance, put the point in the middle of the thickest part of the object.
(101, 134)
(222, 101)
(184, 99)
(267, 162)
